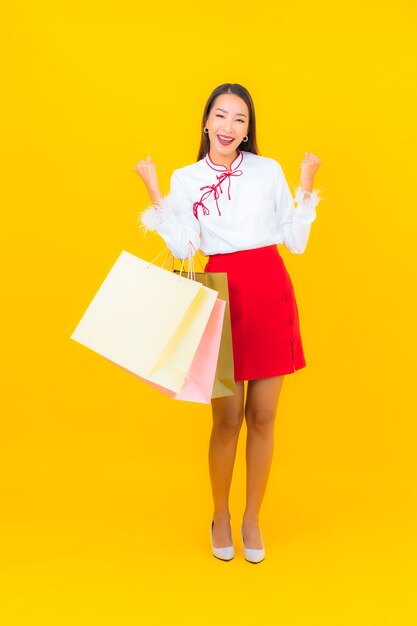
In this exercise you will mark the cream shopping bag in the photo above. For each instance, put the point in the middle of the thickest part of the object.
(148, 320)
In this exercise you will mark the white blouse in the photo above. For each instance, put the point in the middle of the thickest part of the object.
(220, 211)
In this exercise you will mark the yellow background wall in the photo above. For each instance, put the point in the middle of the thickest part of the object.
(106, 501)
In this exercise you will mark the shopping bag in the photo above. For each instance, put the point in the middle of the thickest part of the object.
(198, 384)
(148, 320)
(224, 381)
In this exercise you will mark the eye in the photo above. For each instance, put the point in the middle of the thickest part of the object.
(218, 115)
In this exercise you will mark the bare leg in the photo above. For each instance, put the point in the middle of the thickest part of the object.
(227, 422)
(260, 410)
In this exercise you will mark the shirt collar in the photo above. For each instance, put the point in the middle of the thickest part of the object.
(222, 168)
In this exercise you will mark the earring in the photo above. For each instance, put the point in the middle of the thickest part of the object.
(206, 130)
(245, 139)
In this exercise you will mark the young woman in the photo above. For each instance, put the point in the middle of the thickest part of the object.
(235, 206)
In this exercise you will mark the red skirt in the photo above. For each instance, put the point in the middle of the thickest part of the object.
(263, 312)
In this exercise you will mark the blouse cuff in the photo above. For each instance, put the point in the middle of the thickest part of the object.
(306, 205)
(156, 215)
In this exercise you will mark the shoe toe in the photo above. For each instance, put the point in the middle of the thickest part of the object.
(226, 554)
(254, 556)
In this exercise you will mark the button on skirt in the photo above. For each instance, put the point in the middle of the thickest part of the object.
(263, 313)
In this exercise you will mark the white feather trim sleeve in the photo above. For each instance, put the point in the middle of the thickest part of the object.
(173, 219)
(295, 222)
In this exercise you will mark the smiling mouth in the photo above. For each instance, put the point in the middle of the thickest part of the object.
(225, 141)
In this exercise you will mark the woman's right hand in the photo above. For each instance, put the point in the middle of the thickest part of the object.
(146, 169)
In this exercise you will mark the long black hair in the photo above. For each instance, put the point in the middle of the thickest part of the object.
(235, 88)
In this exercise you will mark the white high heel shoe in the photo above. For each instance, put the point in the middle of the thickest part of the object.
(251, 554)
(226, 553)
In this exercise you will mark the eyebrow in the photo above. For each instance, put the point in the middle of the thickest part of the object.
(242, 114)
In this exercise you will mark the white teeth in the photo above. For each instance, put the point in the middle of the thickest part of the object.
(225, 138)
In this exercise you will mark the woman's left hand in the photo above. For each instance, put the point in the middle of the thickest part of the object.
(309, 167)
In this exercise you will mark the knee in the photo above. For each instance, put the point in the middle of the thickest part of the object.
(229, 424)
(260, 420)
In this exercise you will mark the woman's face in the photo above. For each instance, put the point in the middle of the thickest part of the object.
(228, 119)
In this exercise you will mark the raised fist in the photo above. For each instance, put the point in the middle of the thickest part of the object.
(309, 166)
(146, 169)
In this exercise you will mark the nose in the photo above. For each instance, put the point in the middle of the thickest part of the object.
(227, 126)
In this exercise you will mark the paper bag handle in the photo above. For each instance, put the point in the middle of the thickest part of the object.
(190, 259)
